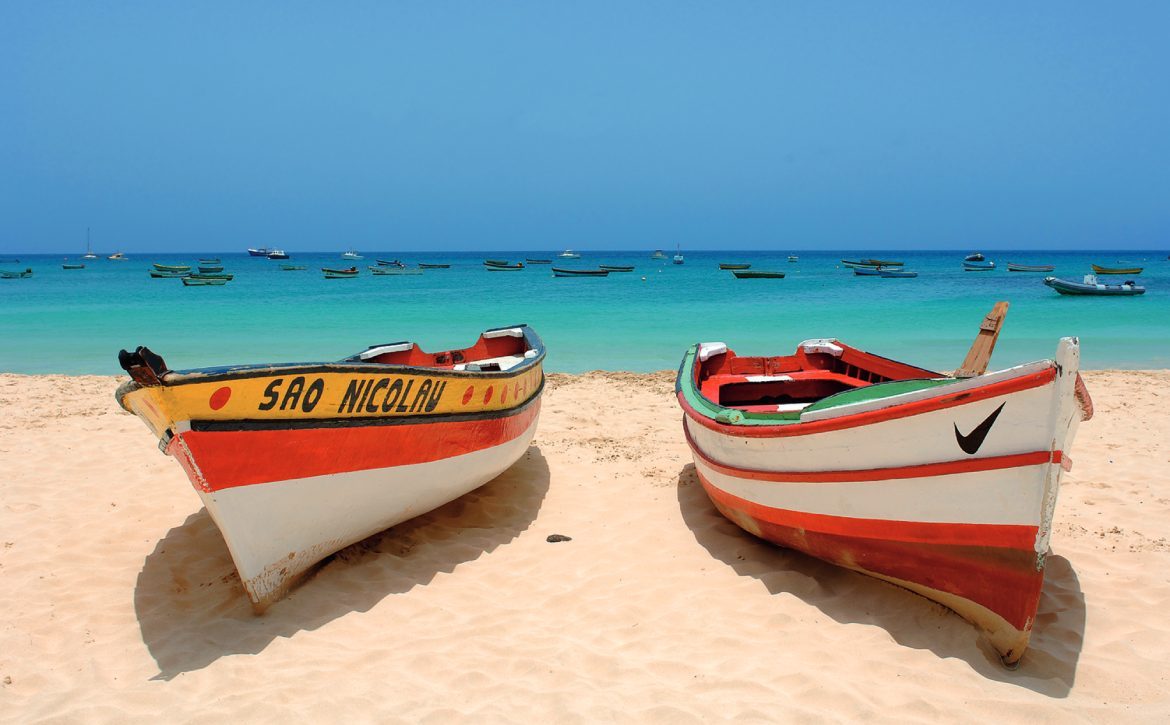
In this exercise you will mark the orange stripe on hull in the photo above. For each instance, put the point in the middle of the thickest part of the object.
(992, 565)
(225, 459)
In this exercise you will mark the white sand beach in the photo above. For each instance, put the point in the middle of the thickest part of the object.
(121, 602)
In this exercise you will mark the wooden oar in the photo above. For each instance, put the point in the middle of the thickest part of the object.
(980, 353)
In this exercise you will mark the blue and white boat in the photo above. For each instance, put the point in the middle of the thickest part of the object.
(1090, 286)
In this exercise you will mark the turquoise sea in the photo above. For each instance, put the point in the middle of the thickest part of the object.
(61, 321)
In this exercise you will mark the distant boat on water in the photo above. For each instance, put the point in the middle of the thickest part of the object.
(562, 272)
(678, 257)
(210, 268)
(88, 252)
(277, 254)
(756, 274)
(209, 260)
(172, 267)
(424, 265)
(658, 254)
(978, 266)
(974, 257)
(351, 254)
(1091, 287)
(393, 270)
(871, 263)
(897, 273)
(503, 267)
(292, 267)
(169, 273)
(867, 271)
(793, 258)
(569, 254)
(389, 263)
(616, 267)
(66, 265)
(117, 257)
(734, 266)
(7, 274)
(1013, 267)
(261, 252)
(537, 261)
(339, 273)
(205, 281)
(1116, 270)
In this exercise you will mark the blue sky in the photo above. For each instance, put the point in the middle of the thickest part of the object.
(461, 126)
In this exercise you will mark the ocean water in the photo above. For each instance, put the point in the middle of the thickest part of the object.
(61, 321)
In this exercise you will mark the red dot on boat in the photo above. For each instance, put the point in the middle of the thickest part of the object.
(487, 395)
(220, 398)
(468, 393)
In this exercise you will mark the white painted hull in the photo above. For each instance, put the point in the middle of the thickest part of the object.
(277, 531)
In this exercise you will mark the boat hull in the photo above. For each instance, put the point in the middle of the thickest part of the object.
(279, 523)
(294, 462)
(886, 486)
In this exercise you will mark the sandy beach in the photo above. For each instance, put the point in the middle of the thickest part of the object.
(122, 604)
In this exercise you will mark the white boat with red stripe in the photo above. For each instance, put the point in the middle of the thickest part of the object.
(943, 485)
(296, 461)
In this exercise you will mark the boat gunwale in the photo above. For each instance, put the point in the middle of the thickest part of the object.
(755, 425)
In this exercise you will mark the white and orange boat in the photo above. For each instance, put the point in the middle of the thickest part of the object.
(943, 485)
(295, 461)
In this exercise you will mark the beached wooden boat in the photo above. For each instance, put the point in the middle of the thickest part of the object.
(339, 273)
(295, 461)
(1091, 287)
(978, 266)
(192, 281)
(1013, 267)
(12, 274)
(897, 273)
(871, 263)
(72, 266)
(424, 265)
(943, 485)
(163, 274)
(172, 267)
(724, 265)
(756, 274)
(395, 271)
(616, 267)
(561, 272)
(1116, 270)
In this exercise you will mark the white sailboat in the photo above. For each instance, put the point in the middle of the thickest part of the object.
(88, 252)
(678, 258)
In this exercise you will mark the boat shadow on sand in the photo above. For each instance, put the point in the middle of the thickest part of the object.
(1048, 667)
(192, 608)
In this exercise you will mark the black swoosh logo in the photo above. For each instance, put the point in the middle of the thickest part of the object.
(970, 443)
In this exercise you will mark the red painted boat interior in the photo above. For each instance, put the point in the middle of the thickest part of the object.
(724, 379)
(483, 349)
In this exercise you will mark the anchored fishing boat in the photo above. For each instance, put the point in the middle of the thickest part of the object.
(503, 267)
(727, 265)
(292, 267)
(1116, 270)
(978, 266)
(897, 273)
(196, 281)
(867, 271)
(295, 461)
(210, 268)
(1090, 286)
(396, 271)
(871, 263)
(168, 274)
(944, 485)
(561, 272)
(339, 273)
(172, 267)
(756, 274)
(11, 274)
(616, 267)
(1013, 267)
(423, 265)
(658, 254)
(530, 260)
(66, 265)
